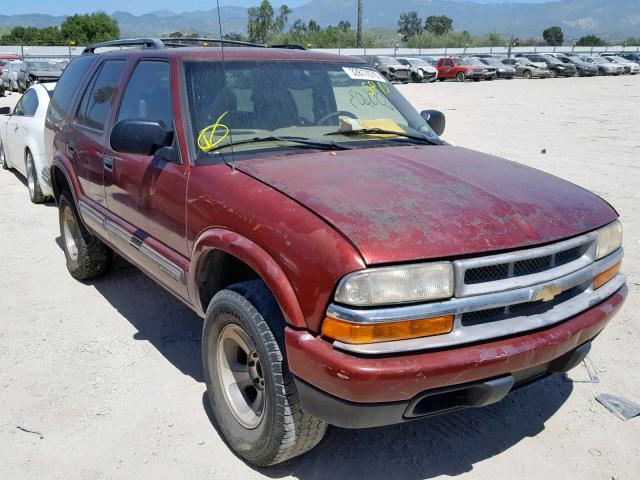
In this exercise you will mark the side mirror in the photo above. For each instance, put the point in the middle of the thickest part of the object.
(435, 119)
(5, 110)
(141, 137)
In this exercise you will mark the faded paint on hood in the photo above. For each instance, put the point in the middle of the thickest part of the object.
(408, 203)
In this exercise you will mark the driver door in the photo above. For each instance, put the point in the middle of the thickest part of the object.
(146, 194)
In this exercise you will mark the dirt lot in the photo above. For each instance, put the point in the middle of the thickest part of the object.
(109, 372)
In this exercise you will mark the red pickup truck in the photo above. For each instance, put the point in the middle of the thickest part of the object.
(351, 267)
(460, 68)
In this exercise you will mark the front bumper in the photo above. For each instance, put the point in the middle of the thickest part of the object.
(355, 391)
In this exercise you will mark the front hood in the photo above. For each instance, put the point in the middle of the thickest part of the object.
(398, 204)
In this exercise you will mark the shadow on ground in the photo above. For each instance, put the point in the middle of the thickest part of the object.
(445, 445)
(160, 318)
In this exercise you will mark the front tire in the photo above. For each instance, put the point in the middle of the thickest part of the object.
(87, 257)
(251, 391)
(35, 192)
(461, 77)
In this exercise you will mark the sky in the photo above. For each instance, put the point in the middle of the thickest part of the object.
(65, 7)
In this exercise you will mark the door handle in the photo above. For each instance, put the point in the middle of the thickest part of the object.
(107, 163)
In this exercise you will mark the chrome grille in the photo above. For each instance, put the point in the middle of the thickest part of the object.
(494, 273)
(521, 309)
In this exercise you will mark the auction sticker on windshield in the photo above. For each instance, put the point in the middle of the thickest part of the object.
(363, 74)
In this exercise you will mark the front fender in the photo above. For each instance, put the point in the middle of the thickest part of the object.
(258, 259)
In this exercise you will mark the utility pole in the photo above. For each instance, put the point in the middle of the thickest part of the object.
(359, 31)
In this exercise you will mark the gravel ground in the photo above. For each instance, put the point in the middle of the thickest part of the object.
(109, 372)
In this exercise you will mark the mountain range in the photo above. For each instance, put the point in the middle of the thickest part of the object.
(610, 19)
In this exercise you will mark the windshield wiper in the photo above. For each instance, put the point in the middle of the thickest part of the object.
(382, 131)
(321, 144)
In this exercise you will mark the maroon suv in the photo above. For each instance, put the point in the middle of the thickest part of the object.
(351, 268)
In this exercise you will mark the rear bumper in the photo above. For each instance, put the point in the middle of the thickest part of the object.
(355, 392)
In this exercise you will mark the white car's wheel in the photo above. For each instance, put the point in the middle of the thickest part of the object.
(35, 192)
(3, 158)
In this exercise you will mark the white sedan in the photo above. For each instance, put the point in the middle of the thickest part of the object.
(22, 139)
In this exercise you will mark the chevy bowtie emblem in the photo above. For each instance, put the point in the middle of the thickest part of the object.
(549, 293)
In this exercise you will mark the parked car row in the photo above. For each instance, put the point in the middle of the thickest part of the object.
(351, 268)
(487, 66)
(17, 75)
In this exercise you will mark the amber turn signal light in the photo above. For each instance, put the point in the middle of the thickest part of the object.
(608, 274)
(350, 332)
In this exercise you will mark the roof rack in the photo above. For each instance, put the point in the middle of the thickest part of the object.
(175, 42)
(132, 42)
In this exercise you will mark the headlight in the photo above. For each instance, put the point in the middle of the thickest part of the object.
(391, 285)
(609, 239)
(560, 67)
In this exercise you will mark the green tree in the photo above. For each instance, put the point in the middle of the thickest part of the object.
(263, 25)
(590, 41)
(344, 25)
(494, 39)
(438, 24)
(176, 35)
(90, 28)
(33, 36)
(236, 37)
(409, 25)
(314, 27)
(553, 36)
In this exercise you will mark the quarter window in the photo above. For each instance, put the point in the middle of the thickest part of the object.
(98, 98)
(28, 104)
(67, 86)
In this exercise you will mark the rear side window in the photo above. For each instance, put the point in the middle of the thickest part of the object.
(67, 86)
(148, 95)
(28, 104)
(98, 97)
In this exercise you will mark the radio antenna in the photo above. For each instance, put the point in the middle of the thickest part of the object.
(224, 73)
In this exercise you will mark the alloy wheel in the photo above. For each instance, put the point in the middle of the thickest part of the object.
(70, 232)
(31, 183)
(241, 376)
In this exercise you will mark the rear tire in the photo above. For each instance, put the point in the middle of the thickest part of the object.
(35, 192)
(3, 158)
(252, 393)
(87, 257)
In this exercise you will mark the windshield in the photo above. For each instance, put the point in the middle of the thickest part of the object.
(417, 62)
(241, 101)
(389, 61)
(600, 60)
(50, 67)
(493, 61)
(552, 60)
(618, 59)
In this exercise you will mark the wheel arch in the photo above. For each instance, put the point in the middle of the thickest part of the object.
(61, 181)
(221, 251)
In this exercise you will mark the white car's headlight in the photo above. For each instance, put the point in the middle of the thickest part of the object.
(392, 285)
(609, 239)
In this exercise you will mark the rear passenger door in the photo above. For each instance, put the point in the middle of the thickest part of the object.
(18, 129)
(146, 193)
(86, 144)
